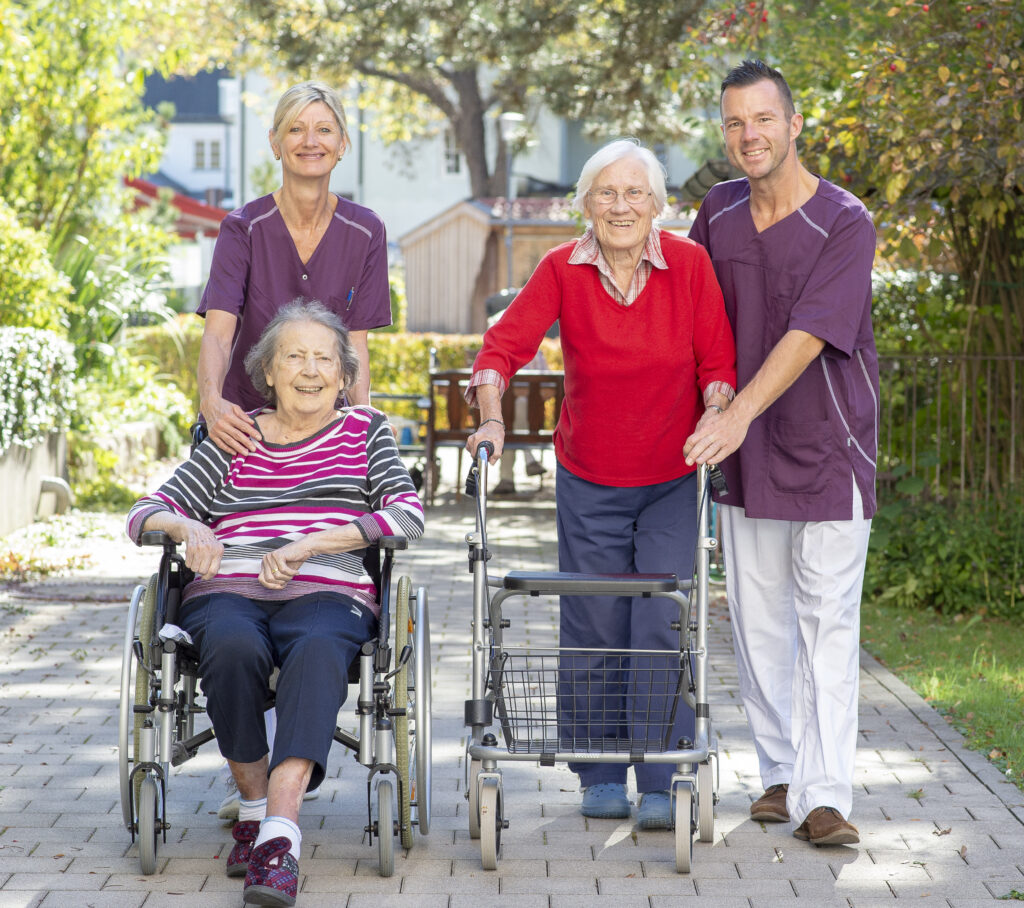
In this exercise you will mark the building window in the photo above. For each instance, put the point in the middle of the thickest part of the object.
(199, 157)
(452, 157)
(215, 155)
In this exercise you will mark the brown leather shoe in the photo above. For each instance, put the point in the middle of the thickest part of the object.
(827, 826)
(771, 806)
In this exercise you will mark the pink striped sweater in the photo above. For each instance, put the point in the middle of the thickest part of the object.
(348, 472)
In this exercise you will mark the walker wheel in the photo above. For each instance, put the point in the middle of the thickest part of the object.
(491, 823)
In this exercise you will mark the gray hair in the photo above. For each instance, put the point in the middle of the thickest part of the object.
(261, 357)
(616, 151)
(297, 98)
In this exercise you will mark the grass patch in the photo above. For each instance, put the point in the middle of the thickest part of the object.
(968, 668)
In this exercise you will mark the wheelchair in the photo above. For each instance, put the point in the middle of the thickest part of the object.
(160, 702)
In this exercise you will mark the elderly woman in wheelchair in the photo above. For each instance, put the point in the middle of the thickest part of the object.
(275, 539)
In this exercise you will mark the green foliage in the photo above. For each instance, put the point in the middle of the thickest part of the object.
(917, 311)
(33, 294)
(72, 122)
(68, 93)
(132, 390)
(427, 61)
(37, 370)
(915, 107)
(110, 291)
(966, 557)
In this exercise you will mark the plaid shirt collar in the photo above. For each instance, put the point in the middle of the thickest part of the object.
(588, 252)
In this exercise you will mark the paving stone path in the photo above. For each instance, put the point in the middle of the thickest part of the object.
(940, 827)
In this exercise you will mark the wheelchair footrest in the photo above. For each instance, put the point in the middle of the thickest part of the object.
(550, 583)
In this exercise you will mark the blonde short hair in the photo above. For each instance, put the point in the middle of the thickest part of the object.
(297, 98)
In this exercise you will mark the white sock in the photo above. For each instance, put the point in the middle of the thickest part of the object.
(251, 810)
(272, 827)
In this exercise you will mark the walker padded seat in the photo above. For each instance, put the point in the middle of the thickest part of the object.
(560, 583)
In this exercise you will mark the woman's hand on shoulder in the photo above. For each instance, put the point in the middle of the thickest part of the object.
(230, 427)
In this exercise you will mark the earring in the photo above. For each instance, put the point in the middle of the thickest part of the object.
(277, 157)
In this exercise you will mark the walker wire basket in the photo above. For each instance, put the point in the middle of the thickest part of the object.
(586, 701)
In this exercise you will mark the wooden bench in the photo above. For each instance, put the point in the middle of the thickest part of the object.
(450, 420)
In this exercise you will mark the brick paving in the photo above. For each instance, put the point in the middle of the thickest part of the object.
(957, 843)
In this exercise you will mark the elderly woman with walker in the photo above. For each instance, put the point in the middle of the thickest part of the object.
(648, 355)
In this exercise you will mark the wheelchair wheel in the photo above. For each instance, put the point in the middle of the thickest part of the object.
(403, 735)
(149, 824)
(385, 828)
(684, 826)
(135, 686)
(422, 712)
(491, 823)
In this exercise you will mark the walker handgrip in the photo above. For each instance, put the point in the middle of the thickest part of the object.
(487, 449)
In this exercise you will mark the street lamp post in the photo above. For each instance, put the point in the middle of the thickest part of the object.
(509, 124)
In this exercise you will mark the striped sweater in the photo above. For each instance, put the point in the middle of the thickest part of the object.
(348, 472)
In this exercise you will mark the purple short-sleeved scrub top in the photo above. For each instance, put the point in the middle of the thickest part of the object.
(256, 270)
(811, 271)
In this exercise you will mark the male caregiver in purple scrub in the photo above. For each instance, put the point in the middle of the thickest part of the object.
(793, 255)
(302, 241)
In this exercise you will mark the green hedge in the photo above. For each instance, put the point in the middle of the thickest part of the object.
(961, 558)
(37, 372)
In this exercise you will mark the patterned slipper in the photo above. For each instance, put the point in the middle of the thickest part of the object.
(273, 876)
(244, 835)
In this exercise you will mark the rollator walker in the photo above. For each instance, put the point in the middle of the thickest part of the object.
(525, 689)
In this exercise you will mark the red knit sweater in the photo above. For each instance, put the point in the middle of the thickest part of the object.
(633, 374)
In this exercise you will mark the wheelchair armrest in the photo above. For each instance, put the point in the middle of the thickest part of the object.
(157, 537)
(393, 543)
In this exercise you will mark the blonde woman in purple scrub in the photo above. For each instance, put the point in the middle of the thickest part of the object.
(301, 241)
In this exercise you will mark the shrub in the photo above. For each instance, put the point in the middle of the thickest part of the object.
(37, 370)
(960, 558)
(33, 293)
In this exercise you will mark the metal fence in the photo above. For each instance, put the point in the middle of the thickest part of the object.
(951, 425)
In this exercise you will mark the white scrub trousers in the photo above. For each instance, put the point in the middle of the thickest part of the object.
(794, 590)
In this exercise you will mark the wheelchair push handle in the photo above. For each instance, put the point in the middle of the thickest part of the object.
(479, 467)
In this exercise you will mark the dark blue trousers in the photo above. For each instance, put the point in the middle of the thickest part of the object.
(614, 530)
(312, 639)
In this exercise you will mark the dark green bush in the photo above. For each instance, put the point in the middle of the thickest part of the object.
(957, 558)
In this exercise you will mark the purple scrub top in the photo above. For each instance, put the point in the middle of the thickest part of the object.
(811, 271)
(256, 270)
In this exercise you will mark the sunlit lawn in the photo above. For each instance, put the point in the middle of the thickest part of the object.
(971, 669)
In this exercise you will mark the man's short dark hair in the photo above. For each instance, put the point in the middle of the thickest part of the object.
(752, 71)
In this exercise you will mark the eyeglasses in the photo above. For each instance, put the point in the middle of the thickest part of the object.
(605, 198)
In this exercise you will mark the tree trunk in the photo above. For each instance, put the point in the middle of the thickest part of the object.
(470, 131)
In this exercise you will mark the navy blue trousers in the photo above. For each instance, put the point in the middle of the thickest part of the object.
(312, 639)
(622, 530)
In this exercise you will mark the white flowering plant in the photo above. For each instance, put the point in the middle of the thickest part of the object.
(37, 380)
